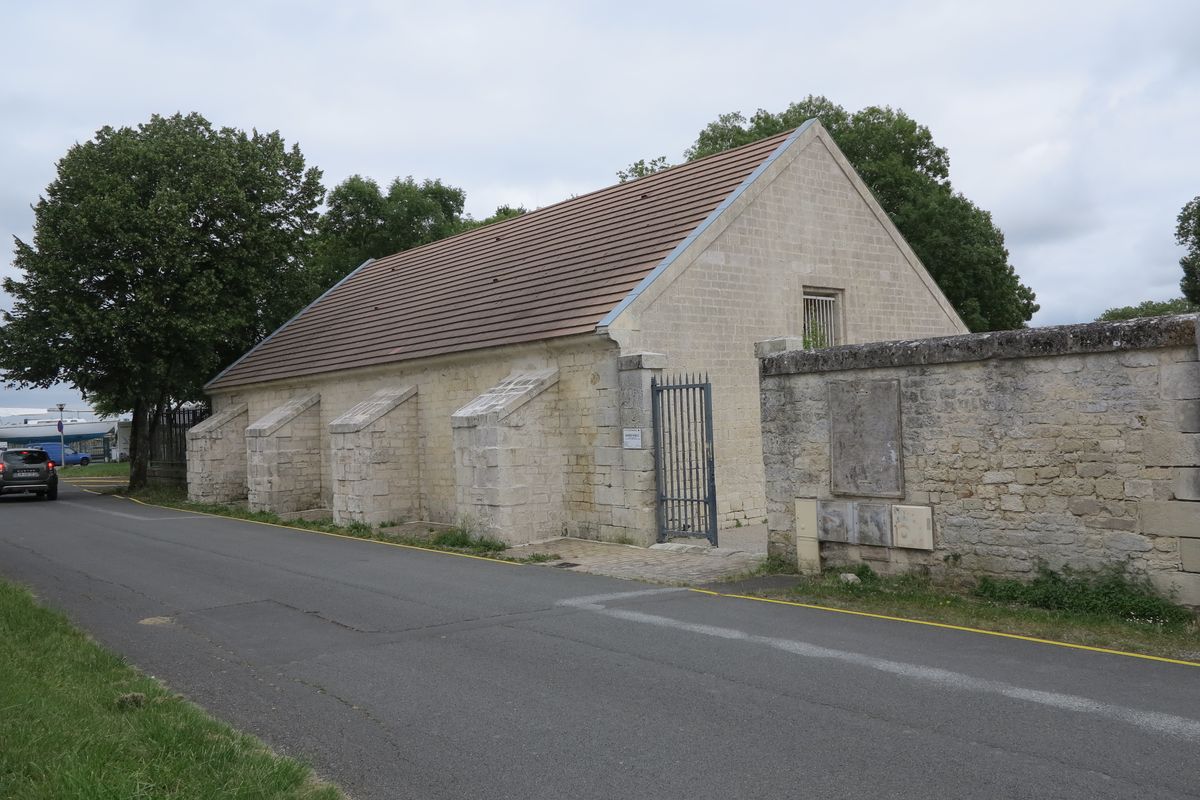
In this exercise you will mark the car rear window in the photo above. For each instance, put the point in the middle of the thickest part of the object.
(18, 457)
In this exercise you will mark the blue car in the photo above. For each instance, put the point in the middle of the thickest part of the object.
(63, 457)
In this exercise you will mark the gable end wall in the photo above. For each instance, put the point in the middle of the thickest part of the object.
(805, 223)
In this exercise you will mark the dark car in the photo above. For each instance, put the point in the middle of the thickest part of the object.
(28, 470)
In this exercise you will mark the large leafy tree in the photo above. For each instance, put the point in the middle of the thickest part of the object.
(909, 173)
(160, 253)
(1187, 233)
(362, 222)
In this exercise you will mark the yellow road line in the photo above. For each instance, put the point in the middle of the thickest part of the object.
(323, 533)
(948, 626)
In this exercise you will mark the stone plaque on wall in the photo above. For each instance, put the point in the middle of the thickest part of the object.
(864, 438)
(912, 527)
(835, 522)
(873, 524)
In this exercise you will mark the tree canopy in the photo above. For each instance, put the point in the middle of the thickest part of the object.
(1187, 233)
(641, 168)
(909, 173)
(1150, 308)
(160, 254)
(362, 222)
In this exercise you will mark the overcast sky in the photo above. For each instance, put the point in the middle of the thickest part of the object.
(1075, 124)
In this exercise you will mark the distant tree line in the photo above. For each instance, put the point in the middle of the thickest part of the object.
(1187, 234)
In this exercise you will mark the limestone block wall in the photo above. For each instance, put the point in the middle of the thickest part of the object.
(807, 223)
(283, 449)
(216, 457)
(588, 409)
(376, 464)
(1076, 446)
(510, 460)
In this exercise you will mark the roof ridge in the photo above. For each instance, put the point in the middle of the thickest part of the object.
(676, 169)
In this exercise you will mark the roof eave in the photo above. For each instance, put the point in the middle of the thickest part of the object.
(271, 335)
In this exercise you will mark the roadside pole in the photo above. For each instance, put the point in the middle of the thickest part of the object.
(62, 442)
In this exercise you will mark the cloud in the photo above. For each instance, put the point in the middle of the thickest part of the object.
(1074, 122)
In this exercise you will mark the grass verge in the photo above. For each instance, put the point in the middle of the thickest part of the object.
(77, 722)
(456, 540)
(1097, 609)
(97, 470)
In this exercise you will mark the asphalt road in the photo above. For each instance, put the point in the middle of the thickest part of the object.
(400, 673)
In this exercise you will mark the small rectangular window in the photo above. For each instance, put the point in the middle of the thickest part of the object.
(821, 322)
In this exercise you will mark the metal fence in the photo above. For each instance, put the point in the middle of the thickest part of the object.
(168, 443)
(684, 463)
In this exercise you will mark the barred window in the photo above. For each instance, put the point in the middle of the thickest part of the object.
(821, 323)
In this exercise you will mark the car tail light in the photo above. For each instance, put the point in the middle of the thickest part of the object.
(50, 464)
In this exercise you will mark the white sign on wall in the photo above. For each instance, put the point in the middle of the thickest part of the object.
(632, 438)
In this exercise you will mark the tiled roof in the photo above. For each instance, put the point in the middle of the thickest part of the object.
(552, 272)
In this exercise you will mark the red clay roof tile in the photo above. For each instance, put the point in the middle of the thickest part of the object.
(552, 272)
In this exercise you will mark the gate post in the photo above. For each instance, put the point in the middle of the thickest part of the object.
(639, 515)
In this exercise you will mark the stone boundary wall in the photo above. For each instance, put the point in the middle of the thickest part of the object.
(1075, 446)
(216, 457)
(376, 459)
(283, 449)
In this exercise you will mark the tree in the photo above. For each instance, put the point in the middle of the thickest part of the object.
(160, 253)
(502, 213)
(1187, 233)
(641, 168)
(1150, 308)
(909, 173)
(362, 222)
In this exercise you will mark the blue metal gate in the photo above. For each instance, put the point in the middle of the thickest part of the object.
(683, 458)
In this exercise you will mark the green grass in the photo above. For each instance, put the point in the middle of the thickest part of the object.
(459, 539)
(1107, 593)
(1102, 609)
(97, 470)
(774, 565)
(77, 723)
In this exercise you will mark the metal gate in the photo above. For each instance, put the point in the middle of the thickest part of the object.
(168, 443)
(683, 458)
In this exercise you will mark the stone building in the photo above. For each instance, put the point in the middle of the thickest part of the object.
(502, 376)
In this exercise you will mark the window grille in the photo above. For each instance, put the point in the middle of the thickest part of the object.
(820, 321)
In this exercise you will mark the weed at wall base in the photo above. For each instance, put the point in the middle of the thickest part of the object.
(1108, 592)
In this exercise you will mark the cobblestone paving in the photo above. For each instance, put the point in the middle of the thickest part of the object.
(640, 563)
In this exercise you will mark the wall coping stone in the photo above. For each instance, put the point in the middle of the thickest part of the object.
(780, 344)
(279, 416)
(1093, 337)
(217, 421)
(642, 361)
(504, 398)
(372, 409)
